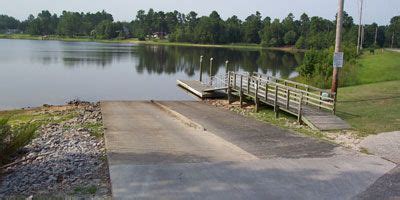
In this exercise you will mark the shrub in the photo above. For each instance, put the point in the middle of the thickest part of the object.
(12, 139)
(316, 67)
(301, 43)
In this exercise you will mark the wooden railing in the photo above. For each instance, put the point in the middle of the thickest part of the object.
(280, 93)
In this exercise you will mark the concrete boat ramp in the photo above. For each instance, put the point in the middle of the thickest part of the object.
(191, 150)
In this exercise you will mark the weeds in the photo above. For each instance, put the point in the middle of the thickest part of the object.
(12, 139)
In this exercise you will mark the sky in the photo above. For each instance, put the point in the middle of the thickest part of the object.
(380, 11)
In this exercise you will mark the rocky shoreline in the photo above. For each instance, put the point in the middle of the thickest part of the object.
(66, 159)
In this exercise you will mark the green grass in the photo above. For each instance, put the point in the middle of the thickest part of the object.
(284, 120)
(95, 128)
(379, 67)
(18, 117)
(18, 128)
(84, 190)
(371, 108)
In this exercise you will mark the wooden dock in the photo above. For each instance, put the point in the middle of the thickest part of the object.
(312, 106)
(200, 89)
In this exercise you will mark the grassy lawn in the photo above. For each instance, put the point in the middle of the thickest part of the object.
(379, 67)
(371, 108)
(19, 117)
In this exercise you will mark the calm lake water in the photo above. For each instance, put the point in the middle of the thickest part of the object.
(33, 73)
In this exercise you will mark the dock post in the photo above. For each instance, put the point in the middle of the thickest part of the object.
(201, 69)
(241, 91)
(211, 62)
(226, 66)
(307, 90)
(300, 108)
(229, 89)
(256, 102)
(248, 85)
(320, 100)
(288, 98)
(276, 107)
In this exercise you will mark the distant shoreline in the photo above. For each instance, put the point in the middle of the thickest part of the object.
(149, 42)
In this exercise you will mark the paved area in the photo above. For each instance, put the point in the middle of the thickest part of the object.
(386, 145)
(397, 50)
(153, 155)
(255, 137)
(386, 187)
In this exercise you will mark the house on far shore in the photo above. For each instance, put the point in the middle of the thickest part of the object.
(159, 35)
(11, 31)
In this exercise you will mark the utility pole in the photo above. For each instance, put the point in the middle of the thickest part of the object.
(338, 46)
(362, 36)
(359, 27)
(376, 35)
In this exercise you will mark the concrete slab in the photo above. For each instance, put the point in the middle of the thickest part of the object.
(153, 155)
(386, 187)
(341, 177)
(258, 138)
(385, 145)
(143, 133)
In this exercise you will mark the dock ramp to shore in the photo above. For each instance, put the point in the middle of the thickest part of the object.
(313, 106)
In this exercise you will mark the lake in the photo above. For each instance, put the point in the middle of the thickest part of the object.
(33, 73)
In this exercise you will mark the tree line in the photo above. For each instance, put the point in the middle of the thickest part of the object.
(305, 32)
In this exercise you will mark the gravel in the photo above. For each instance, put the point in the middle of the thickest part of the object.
(65, 159)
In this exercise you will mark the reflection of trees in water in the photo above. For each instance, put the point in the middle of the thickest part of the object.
(173, 59)
(97, 58)
(84, 54)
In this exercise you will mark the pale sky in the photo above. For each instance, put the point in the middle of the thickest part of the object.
(380, 11)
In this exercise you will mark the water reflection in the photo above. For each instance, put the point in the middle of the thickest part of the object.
(153, 59)
(170, 60)
(33, 73)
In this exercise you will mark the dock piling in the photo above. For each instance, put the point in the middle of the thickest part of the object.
(241, 91)
(201, 69)
(256, 101)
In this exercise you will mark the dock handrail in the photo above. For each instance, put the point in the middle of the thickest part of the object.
(276, 90)
(217, 81)
(292, 83)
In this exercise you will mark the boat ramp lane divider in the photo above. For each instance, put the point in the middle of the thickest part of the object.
(179, 116)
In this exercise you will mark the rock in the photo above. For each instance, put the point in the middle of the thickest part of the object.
(62, 158)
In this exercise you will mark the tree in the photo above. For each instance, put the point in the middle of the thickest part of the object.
(7, 22)
(69, 24)
(290, 38)
(304, 25)
(393, 30)
(252, 26)
(234, 29)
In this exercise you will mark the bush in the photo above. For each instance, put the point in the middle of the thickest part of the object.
(12, 139)
(141, 38)
(316, 67)
(301, 43)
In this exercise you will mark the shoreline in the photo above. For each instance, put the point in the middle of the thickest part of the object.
(151, 42)
(50, 165)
